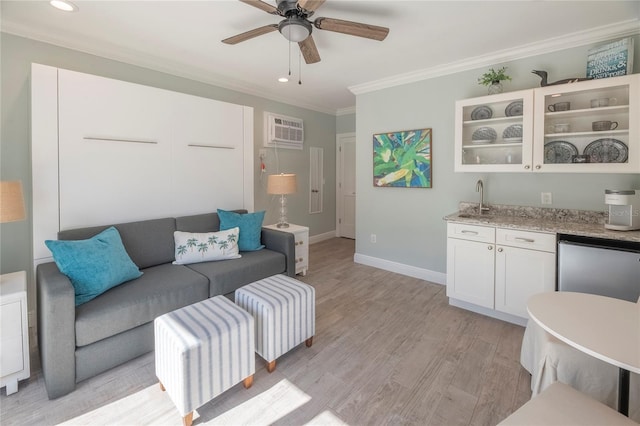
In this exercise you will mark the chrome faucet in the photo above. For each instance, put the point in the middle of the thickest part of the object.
(480, 189)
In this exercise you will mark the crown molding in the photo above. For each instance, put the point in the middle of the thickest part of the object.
(346, 111)
(145, 60)
(581, 38)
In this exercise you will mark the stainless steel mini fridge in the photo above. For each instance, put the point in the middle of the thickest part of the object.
(605, 267)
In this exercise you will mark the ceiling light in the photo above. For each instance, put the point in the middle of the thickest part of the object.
(283, 79)
(295, 29)
(64, 5)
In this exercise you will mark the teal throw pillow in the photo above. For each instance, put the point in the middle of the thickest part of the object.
(250, 225)
(94, 265)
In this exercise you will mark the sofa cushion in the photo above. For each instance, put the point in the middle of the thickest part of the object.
(94, 265)
(250, 225)
(225, 277)
(161, 289)
(148, 242)
(206, 222)
(196, 247)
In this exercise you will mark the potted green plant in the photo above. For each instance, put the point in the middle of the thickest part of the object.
(493, 79)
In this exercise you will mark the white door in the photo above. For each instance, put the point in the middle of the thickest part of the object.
(346, 185)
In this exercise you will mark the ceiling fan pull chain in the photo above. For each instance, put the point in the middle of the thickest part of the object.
(299, 67)
(289, 58)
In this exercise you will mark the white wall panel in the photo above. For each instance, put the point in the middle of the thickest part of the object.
(207, 144)
(115, 151)
(108, 151)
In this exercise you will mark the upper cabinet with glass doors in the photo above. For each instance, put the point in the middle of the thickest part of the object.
(494, 133)
(586, 127)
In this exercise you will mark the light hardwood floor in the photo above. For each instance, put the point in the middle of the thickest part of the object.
(388, 350)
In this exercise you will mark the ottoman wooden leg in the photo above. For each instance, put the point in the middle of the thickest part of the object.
(162, 387)
(271, 366)
(188, 419)
(309, 342)
(248, 382)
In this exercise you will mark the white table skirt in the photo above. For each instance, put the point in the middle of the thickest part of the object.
(550, 360)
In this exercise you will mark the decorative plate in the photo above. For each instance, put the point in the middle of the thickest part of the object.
(486, 134)
(607, 150)
(513, 131)
(513, 109)
(482, 112)
(559, 152)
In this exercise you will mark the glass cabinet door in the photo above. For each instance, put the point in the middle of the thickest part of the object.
(586, 126)
(494, 133)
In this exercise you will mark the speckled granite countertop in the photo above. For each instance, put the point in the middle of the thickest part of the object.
(557, 221)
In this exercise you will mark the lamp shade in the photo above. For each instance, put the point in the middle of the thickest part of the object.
(11, 201)
(282, 184)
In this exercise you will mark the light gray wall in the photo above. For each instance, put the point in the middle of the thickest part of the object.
(408, 222)
(346, 123)
(18, 53)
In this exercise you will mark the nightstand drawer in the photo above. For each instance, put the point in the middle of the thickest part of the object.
(301, 241)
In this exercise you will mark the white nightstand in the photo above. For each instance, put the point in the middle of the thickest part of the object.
(301, 236)
(14, 332)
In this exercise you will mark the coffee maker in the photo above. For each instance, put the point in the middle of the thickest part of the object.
(624, 209)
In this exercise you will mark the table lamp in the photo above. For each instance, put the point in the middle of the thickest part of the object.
(11, 201)
(282, 184)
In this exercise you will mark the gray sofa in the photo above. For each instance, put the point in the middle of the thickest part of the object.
(77, 343)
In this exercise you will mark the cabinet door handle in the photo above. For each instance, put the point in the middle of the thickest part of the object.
(202, 145)
(464, 231)
(500, 249)
(538, 166)
(527, 167)
(526, 240)
(489, 247)
(131, 140)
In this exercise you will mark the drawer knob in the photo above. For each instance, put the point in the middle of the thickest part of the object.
(500, 249)
(489, 247)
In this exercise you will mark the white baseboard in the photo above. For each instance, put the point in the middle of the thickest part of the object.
(401, 268)
(321, 237)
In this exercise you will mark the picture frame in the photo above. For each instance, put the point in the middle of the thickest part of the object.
(611, 59)
(402, 159)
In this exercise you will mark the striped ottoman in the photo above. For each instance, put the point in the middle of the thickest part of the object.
(284, 313)
(202, 350)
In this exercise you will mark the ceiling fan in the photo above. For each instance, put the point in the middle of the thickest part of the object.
(297, 27)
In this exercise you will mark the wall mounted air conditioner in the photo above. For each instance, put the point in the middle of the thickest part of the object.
(282, 131)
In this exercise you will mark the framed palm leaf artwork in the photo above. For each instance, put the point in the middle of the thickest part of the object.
(402, 159)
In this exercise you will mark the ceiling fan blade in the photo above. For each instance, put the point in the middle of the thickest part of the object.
(310, 5)
(352, 28)
(250, 34)
(309, 50)
(262, 6)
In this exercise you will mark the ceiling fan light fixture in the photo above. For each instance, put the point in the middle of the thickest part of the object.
(295, 29)
(283, 80)
(64, 5)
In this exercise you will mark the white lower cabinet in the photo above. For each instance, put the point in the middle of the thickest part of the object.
(470, 272)
(499, 268)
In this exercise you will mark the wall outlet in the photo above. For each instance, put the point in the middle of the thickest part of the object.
(262, 154)
(373, 238)
(545, 198)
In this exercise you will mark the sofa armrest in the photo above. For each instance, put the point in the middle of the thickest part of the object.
(283, 242)
(56, 329)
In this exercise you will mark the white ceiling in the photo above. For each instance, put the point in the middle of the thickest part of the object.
(425, 38)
